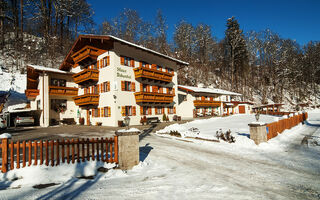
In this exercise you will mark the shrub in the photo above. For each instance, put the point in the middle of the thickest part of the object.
(164, 117)
(98, 123)
(175, 133)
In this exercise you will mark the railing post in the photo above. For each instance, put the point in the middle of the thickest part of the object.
(4, 145)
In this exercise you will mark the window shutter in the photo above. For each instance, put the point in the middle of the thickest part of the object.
(173, 91)
(108, 86)
(162, 110)
(133, 110)
(122, 85)
(123, 110)
(109, 111)
(92, 112)
(98, 112)
(102, 112)
(156, 110)
(98, 64)
(140, 64)
(202, 98)
(132, 63)
(211, 98)
(167, 69)
(141, 110)
(108, 60)
(168, 110)
(174, 110)
(85, 91)
(122, 60)
(133, 86)
(141, 87)
(150, 111)
(147, 65)
(98, 88)
(161, 89)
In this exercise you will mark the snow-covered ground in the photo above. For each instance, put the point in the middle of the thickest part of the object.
(182, 168)
(13, 81)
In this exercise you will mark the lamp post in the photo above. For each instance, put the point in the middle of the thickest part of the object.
(257, 116)
(126, 121)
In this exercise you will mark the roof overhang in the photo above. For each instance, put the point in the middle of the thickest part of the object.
(106, 42)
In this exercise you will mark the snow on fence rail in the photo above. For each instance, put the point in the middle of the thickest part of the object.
(103, 149)
(278, 127)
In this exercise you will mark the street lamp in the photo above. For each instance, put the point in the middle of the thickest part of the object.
(257, 116)
(126, 121)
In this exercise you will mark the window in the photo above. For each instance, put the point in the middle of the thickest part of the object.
(58, 82)
(128, 86)
(106, 86)
(95, 89)
(146, 110)
(169, 70)
(127, 61)
(107, 111)
(128, 110)
(170, 91)
(170, 110)
(95, 112)
(159, 110)
(143, 64)
(104, 62)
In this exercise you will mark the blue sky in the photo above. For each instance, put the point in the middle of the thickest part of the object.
(295, 19)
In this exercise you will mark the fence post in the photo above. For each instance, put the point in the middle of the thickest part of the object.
(128, 149)
(4, 146)
(258, 132)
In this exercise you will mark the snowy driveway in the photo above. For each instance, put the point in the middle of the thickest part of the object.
(175, 169)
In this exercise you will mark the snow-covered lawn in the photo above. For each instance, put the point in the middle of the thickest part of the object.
(182, 168)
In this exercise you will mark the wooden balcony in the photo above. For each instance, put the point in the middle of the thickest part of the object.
(87, 100)
(154, 74)
(150, 97)
(86, 55)
(206, 103)
(31, 93)
(86, 75)
(63, 91)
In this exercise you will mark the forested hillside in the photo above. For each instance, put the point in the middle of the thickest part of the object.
(259, 64)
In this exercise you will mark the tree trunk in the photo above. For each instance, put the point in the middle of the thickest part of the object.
(21, 19)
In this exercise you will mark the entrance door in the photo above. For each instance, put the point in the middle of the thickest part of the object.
(88, 117)
(242, 109)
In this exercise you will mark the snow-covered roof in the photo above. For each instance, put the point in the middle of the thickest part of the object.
(208, 90)
(140, 47)
(48, 69)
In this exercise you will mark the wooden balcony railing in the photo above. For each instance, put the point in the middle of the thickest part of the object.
(31, 93)
(206, 103)
(150, 97)
(86, 75)
(87, 52)
(86, 100)
(144, 72)
(64, 91)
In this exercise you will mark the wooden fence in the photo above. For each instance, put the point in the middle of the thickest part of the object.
(274, 128)
(56, 151)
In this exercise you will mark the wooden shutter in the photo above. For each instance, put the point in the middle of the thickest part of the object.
(131, 63)
(98, 112)
(109, 112)
(98, 87)
(108, 86)
(141, 110)
(141, 87)
(148, 88)
(168, 110)
(156, 110)
(202, 98)
(92, 112)
(140, 64)
(150, 111)
(211, 98)
(167, 69)
(174, 110)
(122, 60)
(123, 110)
(122, 85)
(133, 110)
(85, 90)
(98, 64)
(147, 65)
(102, 112)
(162, 110)
(161, 89)
(108, 60)
(173, 91)
(133, 86)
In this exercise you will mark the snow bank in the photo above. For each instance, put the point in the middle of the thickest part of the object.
(129, 130)
(41, 174)
(5, 135)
